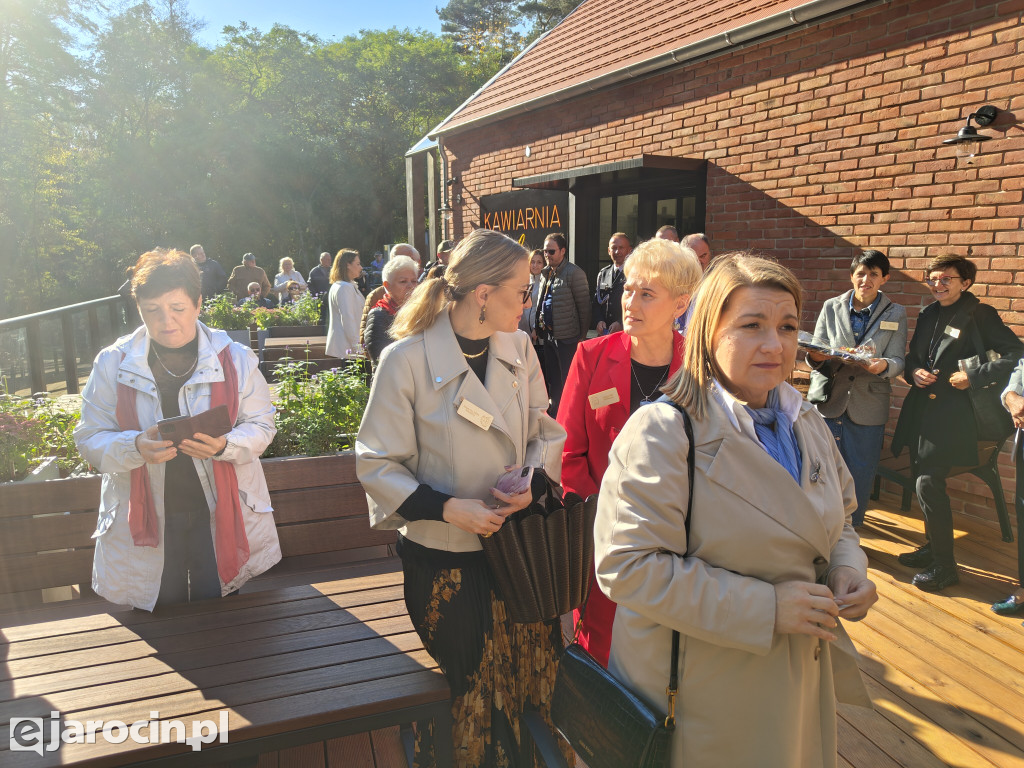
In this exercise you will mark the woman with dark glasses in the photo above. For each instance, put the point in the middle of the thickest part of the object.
(960, 352)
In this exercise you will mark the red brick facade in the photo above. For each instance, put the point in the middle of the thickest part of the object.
(819, 143)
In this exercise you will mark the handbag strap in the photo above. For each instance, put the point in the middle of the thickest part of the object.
(673, 680)
(673, 677)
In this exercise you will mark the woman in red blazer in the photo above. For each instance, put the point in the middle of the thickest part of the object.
(611, 376)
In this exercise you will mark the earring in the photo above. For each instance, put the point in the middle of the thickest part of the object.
(483, 314)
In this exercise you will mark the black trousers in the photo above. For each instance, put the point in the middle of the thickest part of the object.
(938, 515)
(558, 355)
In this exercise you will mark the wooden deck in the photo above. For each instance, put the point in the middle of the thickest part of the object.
(946, 674)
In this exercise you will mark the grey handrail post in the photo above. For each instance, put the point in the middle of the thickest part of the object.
(35, 355)
(67, 329)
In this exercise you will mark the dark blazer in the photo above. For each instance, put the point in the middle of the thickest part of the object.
(939, 420)
(608, 296)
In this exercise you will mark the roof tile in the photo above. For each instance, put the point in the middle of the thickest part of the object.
(603, 36)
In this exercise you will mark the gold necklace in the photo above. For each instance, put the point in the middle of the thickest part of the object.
(476, 354)
(169, 371)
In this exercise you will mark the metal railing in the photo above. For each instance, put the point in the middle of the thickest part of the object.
(37, 340)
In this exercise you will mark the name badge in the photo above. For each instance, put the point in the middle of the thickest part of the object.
(889, 325)
(952, 332)
(601, 399)
(475, 414)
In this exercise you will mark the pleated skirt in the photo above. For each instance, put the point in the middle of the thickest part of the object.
(495, 668)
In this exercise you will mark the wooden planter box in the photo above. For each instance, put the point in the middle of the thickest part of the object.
(319, 507)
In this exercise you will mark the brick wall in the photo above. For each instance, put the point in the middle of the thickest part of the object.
(820, 143)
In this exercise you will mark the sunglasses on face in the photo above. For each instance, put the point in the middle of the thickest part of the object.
(524, 293)
(550, 251)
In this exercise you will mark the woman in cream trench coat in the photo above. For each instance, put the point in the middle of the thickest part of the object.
(751, 691)
(457, 400)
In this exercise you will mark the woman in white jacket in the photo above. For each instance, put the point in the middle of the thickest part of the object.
(188, 521)
(346, 305)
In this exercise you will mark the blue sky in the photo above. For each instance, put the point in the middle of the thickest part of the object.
(326, 18)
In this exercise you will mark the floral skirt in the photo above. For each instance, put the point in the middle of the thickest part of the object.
(495, 668)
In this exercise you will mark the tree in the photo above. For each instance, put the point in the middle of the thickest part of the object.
(41, 82)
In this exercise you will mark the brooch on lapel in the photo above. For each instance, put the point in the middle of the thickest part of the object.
(816, 472)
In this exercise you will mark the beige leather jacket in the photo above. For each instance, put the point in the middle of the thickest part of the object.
(412, 431)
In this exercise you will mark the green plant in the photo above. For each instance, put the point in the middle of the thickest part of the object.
(31, 430)
(221, 312)
(19, 437)
(303, 311)
(318, 413)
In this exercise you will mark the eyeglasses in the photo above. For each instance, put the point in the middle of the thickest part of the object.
(524, 293)
(943, 281)
(550, 251)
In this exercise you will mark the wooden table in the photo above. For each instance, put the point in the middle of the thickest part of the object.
(290, 666)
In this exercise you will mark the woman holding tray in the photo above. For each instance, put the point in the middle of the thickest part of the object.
(457, 400)
(854, 397)
(182, 523)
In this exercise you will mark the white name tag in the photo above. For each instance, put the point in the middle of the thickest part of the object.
(952, 332)
(601, 399)
(889, 325)
(475, 414)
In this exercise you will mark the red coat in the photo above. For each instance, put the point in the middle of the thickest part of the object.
(599, 365)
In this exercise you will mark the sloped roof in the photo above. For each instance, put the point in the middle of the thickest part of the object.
(608, 41)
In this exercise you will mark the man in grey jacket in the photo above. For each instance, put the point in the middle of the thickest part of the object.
(563, 314)
(854, 398)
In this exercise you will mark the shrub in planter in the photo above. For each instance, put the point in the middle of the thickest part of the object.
(221, 312)
(318, 413)
(31, 430)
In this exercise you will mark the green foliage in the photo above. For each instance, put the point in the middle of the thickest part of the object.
(119, 132)
(221, 312)
(31, 430)
(318, 413)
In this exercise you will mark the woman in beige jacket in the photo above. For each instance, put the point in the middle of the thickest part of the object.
(457, 400)
(770, 563)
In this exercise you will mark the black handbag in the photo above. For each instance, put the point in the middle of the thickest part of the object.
(542, 556)
(992, 420)
(607, 724)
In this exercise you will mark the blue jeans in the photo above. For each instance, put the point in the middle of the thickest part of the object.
(860, 446)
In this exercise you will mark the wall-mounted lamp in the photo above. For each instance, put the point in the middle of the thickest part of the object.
(456, 193)
(968, 140)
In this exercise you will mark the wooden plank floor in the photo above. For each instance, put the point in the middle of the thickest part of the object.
(946, 674)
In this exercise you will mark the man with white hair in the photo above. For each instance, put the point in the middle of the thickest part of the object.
(319, 280)
(399, 249)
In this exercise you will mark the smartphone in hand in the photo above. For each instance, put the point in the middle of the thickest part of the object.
(516, 481)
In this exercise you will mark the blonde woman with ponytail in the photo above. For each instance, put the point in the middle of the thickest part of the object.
(457, 400)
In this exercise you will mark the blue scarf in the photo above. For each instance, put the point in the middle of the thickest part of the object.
(775, 431)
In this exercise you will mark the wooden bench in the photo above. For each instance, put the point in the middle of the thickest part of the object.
(319, 506)
(46, 556)
(898, 470)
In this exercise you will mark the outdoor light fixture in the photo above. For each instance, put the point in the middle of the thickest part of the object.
(968, 140)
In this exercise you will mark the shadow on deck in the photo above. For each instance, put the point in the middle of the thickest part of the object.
(946, 674)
